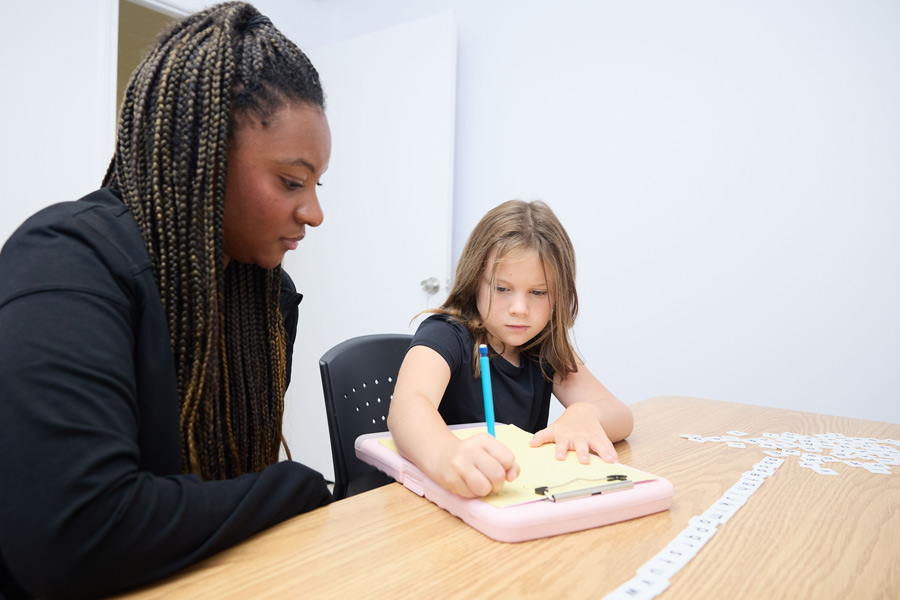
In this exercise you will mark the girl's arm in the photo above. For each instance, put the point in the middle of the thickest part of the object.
(470, 468)
(594, 418)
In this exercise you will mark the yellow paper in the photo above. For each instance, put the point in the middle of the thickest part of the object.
(539, 467)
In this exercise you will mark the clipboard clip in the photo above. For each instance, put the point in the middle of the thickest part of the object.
(613, 483)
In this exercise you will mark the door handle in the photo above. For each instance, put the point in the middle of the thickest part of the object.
(431, 285)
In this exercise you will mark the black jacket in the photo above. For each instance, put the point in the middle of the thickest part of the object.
(92, 497)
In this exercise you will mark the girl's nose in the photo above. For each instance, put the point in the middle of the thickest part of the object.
(518, 305)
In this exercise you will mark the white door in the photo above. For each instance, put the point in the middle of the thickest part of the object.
(387, 199)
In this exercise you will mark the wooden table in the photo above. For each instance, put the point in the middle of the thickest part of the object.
(800, 535)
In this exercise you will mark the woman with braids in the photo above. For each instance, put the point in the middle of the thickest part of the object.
(146, 329)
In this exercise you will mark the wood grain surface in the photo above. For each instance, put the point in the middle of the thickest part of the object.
(800, 535)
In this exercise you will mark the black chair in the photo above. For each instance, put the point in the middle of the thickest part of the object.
(358, 378)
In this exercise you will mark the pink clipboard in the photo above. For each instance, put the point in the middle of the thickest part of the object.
(521, 522)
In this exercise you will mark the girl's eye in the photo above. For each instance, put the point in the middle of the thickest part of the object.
(539, 292)
(500, 288)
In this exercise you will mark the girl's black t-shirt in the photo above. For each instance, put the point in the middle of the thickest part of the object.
(521, 394)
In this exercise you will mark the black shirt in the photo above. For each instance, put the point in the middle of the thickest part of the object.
(92, 496)
(521, 394)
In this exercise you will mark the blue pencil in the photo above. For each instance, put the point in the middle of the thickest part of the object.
(486, 387)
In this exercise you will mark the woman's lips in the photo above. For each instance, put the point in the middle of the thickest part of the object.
(291, 243)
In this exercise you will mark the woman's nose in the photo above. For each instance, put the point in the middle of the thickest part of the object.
(310, 212)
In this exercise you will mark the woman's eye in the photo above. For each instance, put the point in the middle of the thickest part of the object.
(291, 184)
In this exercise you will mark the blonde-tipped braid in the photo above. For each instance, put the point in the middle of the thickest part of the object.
(180, 111)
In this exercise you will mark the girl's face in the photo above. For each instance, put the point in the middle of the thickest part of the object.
(270, 188)
(521, 304)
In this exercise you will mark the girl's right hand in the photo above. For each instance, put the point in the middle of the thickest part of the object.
(476, 466)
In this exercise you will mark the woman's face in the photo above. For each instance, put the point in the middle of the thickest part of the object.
(274, 166)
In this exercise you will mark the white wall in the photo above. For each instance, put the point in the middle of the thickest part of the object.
(55, 141)
(57, 109)
(728, 171)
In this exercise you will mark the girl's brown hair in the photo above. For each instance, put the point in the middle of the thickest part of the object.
(509, 228)
(182, 106)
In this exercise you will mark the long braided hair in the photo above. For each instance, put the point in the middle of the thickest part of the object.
(180, 110)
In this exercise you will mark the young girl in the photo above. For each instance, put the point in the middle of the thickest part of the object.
(515, 292)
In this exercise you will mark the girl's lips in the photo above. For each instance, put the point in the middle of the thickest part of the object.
(518, 327)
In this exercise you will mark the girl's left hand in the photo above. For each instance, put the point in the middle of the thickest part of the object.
(578, 429)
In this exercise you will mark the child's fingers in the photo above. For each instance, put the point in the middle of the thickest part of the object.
(601, 445)
(582, 450)
(512, 473)
(484, 464)
(577, 444)
(486, 477)
(493, 472)
(459, 487)
(505, 458)
(494, 448)
(477, 483)
(480, 479)
(542, 437)
(469, 481)
(562, 448)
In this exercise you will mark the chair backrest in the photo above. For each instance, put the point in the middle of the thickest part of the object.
(358, 378)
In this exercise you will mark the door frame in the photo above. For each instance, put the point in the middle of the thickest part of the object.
(108, 64)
